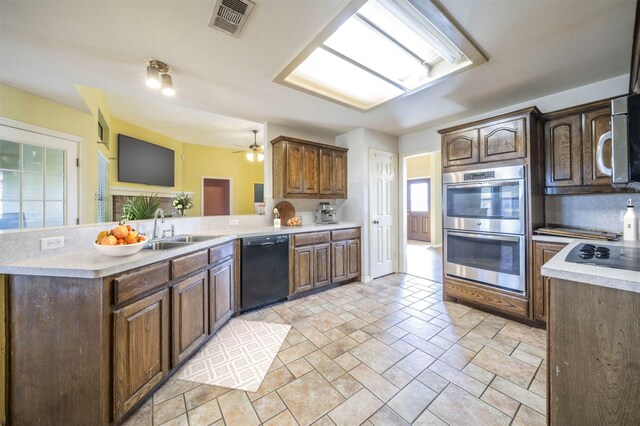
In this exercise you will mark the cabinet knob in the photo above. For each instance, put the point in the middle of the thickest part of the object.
(375, 222)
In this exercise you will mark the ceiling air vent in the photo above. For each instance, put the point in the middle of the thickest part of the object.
(230, 16)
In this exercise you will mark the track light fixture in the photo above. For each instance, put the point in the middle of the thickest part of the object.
(158, 77)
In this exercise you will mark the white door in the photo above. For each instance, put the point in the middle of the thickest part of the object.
(382, 212)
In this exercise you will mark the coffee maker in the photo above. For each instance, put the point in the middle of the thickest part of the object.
(326, 213)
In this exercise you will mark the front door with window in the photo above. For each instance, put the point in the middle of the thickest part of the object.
(418, 216)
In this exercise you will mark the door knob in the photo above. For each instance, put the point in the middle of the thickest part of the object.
(375, 222)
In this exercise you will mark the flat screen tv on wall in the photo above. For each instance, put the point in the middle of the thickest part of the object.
(144, 162)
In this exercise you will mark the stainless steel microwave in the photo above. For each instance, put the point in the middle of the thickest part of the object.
(625, 143)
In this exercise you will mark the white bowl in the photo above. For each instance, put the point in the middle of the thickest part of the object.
(118, 251)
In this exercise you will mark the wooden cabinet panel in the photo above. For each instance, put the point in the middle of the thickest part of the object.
(190, 263)
(321, 265)
(595, 124)
(345, 234)
(563, 146)
(480, 295)
(503, 141)
(303, 268)
(189, 316)
(310, 170)
(141, 349)
(353, 259)
(221, 294)
(221, 252)
(460, 148)
(339, 175)
(294, 165)
(132, 284)
(326, 172)
(542, 253)
(339, 258)
(311, 238)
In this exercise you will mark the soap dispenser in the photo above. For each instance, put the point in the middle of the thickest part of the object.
(630, 223)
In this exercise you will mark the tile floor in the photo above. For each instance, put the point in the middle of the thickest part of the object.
(424, 261)
(389, 352)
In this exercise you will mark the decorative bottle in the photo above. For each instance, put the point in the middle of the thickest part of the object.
(630, 223)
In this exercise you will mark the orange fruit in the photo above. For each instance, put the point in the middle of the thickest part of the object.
(140, 238)
(128, 227)
(109, 240)
(120, 231)
(130, 239)
(101, 236)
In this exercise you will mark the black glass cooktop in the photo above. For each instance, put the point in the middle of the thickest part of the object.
(617, 257)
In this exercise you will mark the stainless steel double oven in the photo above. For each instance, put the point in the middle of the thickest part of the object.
(485, 227)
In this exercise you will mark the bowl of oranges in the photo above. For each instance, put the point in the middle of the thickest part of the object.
(120, 241)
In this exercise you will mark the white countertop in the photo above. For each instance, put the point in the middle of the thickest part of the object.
(552, 239)
(620, 279)
(89, 263)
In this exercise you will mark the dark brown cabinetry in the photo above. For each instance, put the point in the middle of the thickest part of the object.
(303, 169)
(221, 291)
(460, 148)
(595, 124)
(189, 316)
(542, 253)
(140, 349)
(322, 258)
(563, 151)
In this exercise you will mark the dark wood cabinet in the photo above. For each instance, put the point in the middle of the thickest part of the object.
(221, 294)
(304, 169)
(595, 124)
(340, 258)
(503, 141)
(189, 316)
(321, 265)
(141, 349)
(303, 269)
(542, 253)
(563, 151)
(460, 148)
(353, 259)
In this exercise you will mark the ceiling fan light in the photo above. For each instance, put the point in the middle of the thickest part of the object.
(260, 157)
(249, 156)
(167, 85)
(153, 77)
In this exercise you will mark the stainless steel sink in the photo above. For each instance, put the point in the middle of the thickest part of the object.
(193, 238)
(165, 245)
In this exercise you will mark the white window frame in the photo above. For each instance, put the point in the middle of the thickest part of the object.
(24, 133)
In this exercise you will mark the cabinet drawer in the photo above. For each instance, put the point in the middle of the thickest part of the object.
(311, 238)
(189, 263)
(345, 234)
(486, 297)
(126, 287)
(218, 253)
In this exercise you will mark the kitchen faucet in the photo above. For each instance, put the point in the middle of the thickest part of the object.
(155, 222)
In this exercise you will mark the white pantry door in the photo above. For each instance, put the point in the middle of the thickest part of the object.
(383, 202)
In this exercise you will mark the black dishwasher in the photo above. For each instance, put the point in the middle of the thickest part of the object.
(265, 270)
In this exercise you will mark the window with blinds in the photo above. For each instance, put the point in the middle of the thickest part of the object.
(103, 189)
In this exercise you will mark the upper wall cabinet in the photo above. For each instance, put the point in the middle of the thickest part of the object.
(570, 140)
(304, 169)
(497, 139)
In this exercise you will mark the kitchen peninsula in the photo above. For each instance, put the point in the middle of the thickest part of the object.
(91, 336)
(593, 346)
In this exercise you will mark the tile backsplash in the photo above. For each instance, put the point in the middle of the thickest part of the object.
(602, 211)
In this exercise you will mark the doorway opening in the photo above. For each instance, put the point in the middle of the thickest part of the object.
(423, 195)
(216, 196)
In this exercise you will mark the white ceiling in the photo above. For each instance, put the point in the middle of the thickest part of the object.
(534, 48)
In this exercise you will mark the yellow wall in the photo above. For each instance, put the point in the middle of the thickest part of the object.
(221, 163)
(429, 165)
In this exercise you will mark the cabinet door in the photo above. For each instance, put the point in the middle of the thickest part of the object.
(353, 259)
(303, 268)
(310, 170)
(339, 179)
(189, 316)
(460, 148)
(326, 172)
(542, 253)
(141, 349)
(221, 290)
(294, 183)
(595, 124)
(563, 147)
(339, 258)
(503, 141)
(321, 265)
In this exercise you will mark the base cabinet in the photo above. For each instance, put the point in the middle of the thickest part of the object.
(221, 290)
(353, 259)
(189, 316)
(542, 253)
(141, 349)
(340, 258)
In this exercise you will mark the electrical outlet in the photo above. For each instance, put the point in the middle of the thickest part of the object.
(233, 221)
(51, 243)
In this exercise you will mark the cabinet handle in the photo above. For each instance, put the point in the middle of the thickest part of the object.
(375, 222)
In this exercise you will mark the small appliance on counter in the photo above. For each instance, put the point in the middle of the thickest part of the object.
(617, 257)
(326, 213)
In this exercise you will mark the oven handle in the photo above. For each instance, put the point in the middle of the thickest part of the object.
(483, 184)
(483, 237)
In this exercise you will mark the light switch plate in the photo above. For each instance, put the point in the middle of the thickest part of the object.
(233, 221)
(51, 243)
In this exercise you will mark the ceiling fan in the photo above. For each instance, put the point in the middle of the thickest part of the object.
(256, 152)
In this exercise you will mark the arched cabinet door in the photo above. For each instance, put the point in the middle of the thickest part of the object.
(460, 148)
(503, 141)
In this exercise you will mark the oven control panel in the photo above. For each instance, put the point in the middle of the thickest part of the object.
(480, 175)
